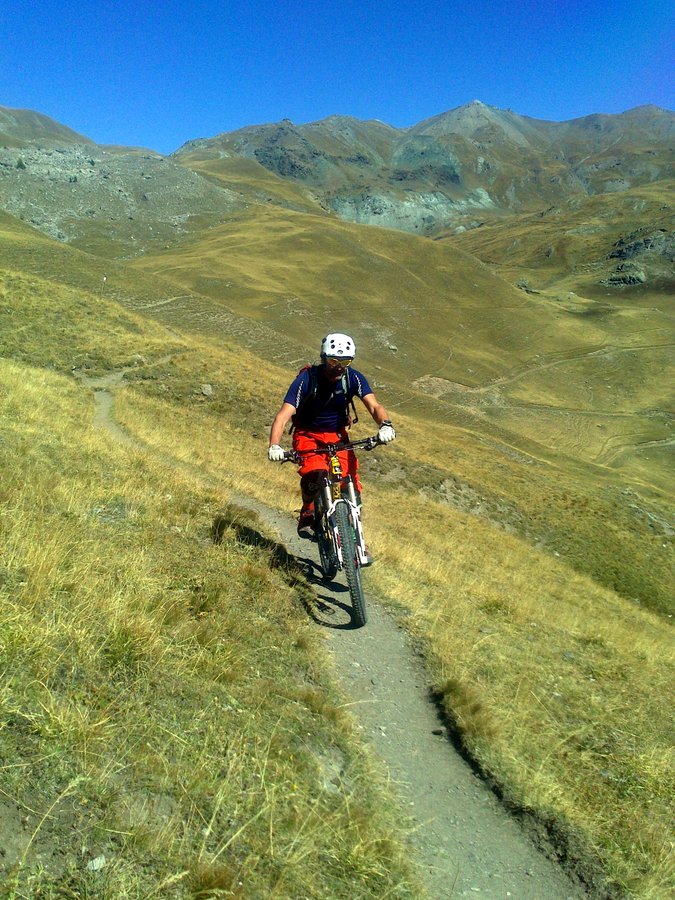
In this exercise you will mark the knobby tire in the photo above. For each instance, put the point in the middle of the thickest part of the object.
(349, 562)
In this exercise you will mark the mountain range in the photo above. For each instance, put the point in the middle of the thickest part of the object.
(455, 171)
(470, 163)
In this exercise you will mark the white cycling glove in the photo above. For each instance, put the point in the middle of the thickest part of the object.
(276, 453)
(386, 432)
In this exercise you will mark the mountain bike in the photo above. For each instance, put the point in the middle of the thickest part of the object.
(337, 521)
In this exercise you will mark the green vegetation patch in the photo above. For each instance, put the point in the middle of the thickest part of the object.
(46, 324)
(621, 541)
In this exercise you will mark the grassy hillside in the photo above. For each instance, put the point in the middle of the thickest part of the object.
(167, 724)
(540, 669)
(508, 460)
(139, 650)
(22, 127)
(419, 307)
(612, 404)
(253, 182)
(567, 247)
(569, 379)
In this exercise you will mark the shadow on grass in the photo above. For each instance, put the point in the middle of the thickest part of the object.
(303, 574)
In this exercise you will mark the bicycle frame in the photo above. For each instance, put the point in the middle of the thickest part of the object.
(333, 493)
(333, 489)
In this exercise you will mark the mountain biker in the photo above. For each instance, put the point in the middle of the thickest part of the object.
(317, 401)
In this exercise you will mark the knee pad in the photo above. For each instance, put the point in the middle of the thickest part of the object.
(310, 483)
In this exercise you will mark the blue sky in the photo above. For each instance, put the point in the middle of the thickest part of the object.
(156, 74)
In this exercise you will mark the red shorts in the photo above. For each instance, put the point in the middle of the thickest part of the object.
(318, 462)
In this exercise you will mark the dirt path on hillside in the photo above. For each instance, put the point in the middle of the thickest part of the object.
(438, 386)
(464, 841)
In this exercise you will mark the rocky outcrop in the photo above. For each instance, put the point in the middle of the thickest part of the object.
(75, 192)
(423, 213)
(625, 274)
(660, 243)
(644, 257)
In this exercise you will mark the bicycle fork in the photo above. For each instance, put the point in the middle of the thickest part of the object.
(332, 495)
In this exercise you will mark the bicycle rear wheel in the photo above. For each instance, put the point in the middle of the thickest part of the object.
(327, 554)
(351, 563)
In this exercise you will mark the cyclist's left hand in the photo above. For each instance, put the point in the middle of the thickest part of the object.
(386, 433)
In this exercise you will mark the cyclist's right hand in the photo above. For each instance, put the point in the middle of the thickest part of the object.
(276, 453)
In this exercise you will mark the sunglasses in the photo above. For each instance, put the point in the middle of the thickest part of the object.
(338, 361)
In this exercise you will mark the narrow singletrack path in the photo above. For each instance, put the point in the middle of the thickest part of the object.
(464, 842)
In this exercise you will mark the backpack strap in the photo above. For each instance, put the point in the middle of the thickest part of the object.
(352, 418)
(310, 396)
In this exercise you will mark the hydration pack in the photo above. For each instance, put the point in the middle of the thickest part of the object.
(308, 407)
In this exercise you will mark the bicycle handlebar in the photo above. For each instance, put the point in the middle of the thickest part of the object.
(368, 443)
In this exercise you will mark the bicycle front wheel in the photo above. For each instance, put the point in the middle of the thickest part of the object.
(350, 563)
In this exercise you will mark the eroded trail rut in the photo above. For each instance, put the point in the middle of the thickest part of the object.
(464, 842)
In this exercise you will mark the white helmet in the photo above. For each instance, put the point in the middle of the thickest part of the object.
(338, 345)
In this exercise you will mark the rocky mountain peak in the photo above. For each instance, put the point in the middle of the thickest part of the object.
(476, 121)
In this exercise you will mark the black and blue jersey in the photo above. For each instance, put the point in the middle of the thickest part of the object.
(324, 409)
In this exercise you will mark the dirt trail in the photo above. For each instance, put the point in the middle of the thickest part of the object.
(531, 367)
(464, 841)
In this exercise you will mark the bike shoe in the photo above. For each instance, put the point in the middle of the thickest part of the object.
(306, 525)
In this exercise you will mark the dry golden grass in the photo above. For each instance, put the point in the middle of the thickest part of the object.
(300, 273)
(583, 379)
(598, 527)
(163, 702)
(74, 330)
(566, 246)
(559, 688)
(250, 180)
